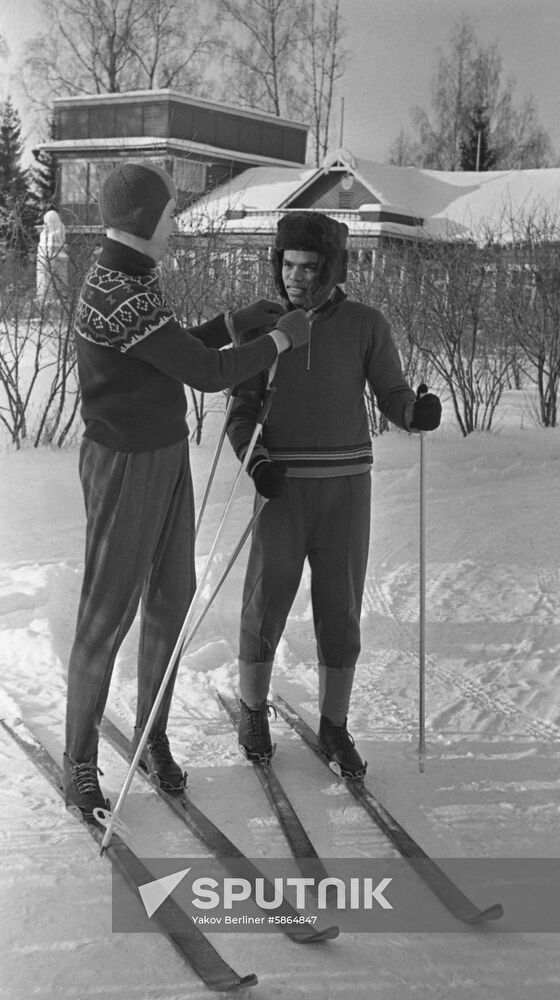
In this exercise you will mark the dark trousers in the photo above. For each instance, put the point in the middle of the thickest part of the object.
(139, 551)
(326, 521)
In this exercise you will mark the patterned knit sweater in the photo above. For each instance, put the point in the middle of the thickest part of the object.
(317, 424)
(134, 357)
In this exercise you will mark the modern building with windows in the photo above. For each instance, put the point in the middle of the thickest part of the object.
(200, 143)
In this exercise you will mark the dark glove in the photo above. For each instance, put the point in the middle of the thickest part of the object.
(262, 313)
(426, 413)
(295, 326)
(268, 477)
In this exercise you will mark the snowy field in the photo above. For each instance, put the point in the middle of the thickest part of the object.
(491, 787)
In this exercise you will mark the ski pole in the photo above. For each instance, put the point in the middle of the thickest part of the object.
(251, 447)
(184, 639)
(225, 573)
(185, 629)
(215, 459)
(422, 390)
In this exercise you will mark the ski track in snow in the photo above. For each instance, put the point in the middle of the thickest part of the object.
(493, 732)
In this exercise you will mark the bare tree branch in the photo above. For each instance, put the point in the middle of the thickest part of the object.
(107, 46)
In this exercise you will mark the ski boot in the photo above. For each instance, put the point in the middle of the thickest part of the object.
(82, 793)
(157, 761)
(337, 745)
(254, 733)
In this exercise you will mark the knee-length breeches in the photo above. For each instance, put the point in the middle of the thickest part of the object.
(326, 521)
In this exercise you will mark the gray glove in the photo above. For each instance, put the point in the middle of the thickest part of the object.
(262, 313)
(295, 327)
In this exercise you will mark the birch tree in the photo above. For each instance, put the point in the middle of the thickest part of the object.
(469, 76)
(322, 63)
(262, 50)
(285, 57)
(108, 46)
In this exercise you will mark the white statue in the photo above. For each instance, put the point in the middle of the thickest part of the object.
(51, 255)
(54, 231)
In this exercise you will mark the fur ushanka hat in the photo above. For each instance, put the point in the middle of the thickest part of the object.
(312, 232)
(133, 197)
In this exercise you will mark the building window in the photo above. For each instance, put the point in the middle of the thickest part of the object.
(189, 176)
(73, 181)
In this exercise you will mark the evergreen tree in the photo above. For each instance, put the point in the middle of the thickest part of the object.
(476, 152)
(18, 206)
(45, 175)
(468, 81)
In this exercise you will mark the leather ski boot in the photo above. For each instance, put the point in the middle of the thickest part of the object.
(254, 732)
(81, 787)
(157, 760)
(337, 745)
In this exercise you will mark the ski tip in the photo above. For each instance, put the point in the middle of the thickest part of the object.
(329, 933)
(494, 912)
(317, 936)
(11, 722)
(243, 982)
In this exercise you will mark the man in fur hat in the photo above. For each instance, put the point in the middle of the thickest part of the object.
(134, 359)
(313, 464)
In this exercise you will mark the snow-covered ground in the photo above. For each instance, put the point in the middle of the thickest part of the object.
(491, 787)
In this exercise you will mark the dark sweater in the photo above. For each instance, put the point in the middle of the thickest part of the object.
(134, 357)
(317, 424)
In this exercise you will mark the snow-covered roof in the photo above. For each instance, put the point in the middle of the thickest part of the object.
(146, 144)
(475, 201)
(453, 205)
(258, 189)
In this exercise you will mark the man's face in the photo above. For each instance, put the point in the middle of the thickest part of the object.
(299, 272)
(165, 227)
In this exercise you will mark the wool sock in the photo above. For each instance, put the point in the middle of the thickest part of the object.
(254, 682)
(335, 689)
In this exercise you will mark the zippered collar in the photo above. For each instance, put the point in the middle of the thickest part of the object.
(334, 300)
(328, 307)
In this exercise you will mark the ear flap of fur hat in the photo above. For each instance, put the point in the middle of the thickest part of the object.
(133, 197)
(312, 232)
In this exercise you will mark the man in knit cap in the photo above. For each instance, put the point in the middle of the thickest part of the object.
(134, 359)
(313, 464)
